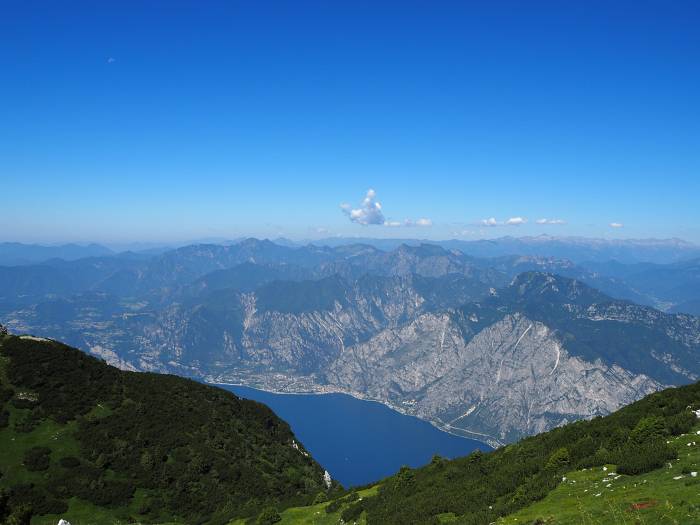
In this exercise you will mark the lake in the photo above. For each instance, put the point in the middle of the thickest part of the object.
(359, 441)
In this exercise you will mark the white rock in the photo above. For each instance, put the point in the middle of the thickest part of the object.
(327, 479)
(63, 522)
(678, 477)
(694, 474)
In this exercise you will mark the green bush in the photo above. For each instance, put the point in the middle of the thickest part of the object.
(69, 462)
(334, 506)
(20, 516)
(268, 516)
(353, 512)
(558, 460)
(638, 459)
(647, 430)
(680, 423)
(37, 458)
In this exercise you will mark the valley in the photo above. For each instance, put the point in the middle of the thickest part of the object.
(490, 349)
(357, 441)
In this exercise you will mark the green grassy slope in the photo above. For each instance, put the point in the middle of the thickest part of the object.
(327, 513)
(666, 496)
(87, 442)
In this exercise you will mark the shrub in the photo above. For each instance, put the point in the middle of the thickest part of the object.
(268, 516)
(37, 458)
(334, 506)
(648, 429)
(353, 512)
(69, 462)
(558, 460)
(321, 497)
(5, 395)
(643, 458)
(22, 515)
(680, 423)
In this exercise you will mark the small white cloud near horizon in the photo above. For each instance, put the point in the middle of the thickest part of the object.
(491, 221)
(369, 212)
(550, 221)
(616, 225)
(513, 221)
(422, 222)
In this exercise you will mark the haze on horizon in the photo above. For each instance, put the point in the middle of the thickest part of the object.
(167, 123)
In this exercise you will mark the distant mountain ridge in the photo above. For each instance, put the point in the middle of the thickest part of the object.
(15, 253)
(495, 348)
(577, 249)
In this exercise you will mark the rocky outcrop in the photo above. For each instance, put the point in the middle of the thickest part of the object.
(529, 357)
(514, 378)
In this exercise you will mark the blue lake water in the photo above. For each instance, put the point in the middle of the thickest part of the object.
(359, 441)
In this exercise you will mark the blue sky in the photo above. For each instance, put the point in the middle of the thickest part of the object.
(172, 121)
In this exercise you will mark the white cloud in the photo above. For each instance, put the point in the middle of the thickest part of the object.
(513, 221)
(422, 222)
(616, 225)
(369, 212)
(111, 60)
(491, 221)
(550, 221)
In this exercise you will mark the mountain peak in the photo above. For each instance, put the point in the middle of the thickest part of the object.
(554, 288)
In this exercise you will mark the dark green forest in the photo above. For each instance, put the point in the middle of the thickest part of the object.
(150, 447)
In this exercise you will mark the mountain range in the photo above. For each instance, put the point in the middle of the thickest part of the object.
(493, 348)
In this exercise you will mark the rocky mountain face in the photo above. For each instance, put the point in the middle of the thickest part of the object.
(490, 348)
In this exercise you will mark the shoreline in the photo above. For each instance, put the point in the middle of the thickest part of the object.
(484, 439)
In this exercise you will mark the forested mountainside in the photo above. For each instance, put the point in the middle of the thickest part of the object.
(491, 348)
(637, 465)
(82, 440)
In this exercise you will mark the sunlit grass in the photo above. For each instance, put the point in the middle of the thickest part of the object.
(669, 495)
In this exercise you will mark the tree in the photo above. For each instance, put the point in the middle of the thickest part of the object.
(21, 515)
(3, 330)
(649, 429)
(405, 477)
(4, 504)
(558, 459)
(268, 516)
